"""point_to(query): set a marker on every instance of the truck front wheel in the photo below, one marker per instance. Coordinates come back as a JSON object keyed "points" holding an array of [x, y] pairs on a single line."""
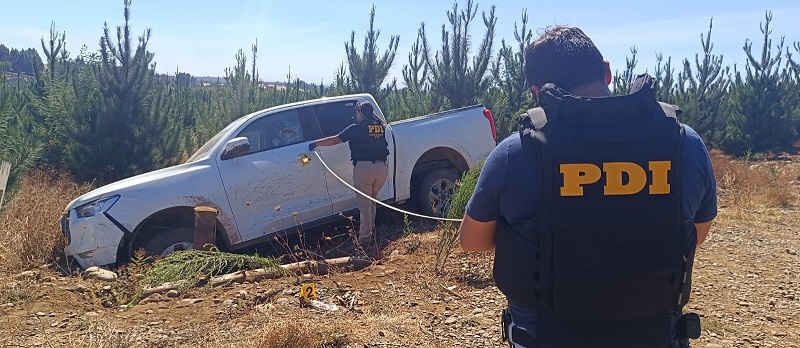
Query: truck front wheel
{"points": [[169, 241], [435, 191]]}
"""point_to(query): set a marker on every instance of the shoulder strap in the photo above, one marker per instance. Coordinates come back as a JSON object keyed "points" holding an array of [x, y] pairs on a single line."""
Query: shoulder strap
{"points": [[533, 119], [645, 83], [539, 118], [671, 110]]}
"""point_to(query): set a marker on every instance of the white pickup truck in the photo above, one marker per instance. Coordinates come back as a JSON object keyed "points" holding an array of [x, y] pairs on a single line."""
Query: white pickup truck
{"points": [[260, 176]]}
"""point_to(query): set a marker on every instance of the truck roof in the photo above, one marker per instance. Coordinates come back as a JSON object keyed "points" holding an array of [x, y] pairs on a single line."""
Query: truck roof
{"points": [[304, 103]]}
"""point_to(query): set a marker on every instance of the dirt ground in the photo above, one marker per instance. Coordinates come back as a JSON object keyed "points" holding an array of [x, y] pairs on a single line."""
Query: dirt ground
{"points": [[746, 289]]}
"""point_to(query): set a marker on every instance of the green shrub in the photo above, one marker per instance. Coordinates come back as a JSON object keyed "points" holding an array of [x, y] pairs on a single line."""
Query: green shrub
{"points": [[448, 235]]}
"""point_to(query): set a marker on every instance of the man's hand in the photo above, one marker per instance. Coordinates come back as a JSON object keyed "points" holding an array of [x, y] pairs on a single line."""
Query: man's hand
{"points": [[312, 146], [702, 231]]}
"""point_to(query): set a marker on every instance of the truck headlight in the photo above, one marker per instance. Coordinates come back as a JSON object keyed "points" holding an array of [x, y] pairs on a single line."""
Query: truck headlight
{"points": [[96, 207]]}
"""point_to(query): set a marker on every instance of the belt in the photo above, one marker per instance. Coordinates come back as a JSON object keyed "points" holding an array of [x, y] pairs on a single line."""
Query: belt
{"points": [[688, 327], [514, 334], [520, 337]]}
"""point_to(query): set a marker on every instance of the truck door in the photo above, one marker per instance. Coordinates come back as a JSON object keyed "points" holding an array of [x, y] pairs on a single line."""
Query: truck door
{"points": [[268, 185], [334, 117]]}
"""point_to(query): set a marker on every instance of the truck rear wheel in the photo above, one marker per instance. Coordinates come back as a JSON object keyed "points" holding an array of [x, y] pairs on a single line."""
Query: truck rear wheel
{"points": [[169, 241], [435, 192]]}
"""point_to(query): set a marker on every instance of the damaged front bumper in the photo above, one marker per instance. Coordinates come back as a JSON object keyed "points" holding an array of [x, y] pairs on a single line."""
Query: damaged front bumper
{"points": [[91, 241]]}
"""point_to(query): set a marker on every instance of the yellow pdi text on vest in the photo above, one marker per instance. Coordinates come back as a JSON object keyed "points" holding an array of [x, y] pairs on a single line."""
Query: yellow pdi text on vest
{"points": [[578, 175]]}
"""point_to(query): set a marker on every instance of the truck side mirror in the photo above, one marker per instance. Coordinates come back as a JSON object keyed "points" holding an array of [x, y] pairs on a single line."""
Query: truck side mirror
{"points": [[236, 147]]}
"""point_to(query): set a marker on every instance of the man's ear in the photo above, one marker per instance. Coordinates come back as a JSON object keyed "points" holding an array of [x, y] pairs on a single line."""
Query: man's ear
{"points": [[607, 65], [535, 92]]}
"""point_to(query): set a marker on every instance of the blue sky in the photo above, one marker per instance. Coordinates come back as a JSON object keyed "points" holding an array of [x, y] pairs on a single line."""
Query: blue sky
{"points": [[202, 36]]}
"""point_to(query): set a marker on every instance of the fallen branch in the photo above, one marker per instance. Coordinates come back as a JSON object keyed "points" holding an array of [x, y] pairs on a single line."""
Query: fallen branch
{"points": [[451, 292], [322, 267], [189, 268], [353, 300], [163, 288], [296, 268], [248, 276]]}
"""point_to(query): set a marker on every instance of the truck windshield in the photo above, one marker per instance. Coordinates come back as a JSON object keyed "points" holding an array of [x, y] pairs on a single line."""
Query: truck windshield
{"points": [[203, 150]]}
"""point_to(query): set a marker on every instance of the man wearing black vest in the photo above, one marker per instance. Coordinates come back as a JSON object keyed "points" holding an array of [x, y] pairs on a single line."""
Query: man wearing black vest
{"points": [[368, 151], [594, 208]]}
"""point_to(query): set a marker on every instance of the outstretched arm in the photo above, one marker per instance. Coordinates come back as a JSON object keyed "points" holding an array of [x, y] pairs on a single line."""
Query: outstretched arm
{"points": [[329, 141], [345, 135]]}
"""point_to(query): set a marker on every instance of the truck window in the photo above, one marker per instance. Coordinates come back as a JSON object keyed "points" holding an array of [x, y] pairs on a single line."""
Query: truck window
{"points": [[334, 117], [281, 129]]}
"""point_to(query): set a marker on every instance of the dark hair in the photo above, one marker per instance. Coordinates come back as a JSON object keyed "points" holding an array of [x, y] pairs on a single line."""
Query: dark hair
{"points": [[365, 108], [565, 56]]}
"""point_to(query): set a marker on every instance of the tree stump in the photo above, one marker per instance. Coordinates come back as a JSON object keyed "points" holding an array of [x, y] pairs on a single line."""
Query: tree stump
{"points": [[204, 227]]}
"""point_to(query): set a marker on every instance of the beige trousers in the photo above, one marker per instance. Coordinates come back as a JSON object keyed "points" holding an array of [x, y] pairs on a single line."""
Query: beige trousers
{"points": [[369, 179]]}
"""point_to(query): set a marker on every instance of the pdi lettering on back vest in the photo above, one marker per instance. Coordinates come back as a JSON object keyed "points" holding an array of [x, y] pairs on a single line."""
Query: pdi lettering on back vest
{"points": [[371, 146], [376, 131], [606, 261], [576, 175]]}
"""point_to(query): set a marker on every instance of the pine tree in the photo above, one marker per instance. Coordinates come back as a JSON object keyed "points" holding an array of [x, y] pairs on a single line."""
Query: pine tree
{"points": [[794, 65], [254, 73], [368, 69], [761, 119], [52, 101], [510, 93], [239, 81], [622, 82], [56, 51], [451, 75], [343, 84], [176, 109], [514, 80], [115, 139], [415, 99], [6, 149], [665, 80], [792, 85], [702, 94], [17, 146]]}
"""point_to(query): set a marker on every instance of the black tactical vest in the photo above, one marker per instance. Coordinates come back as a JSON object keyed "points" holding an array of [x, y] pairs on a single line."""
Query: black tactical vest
{"points": [[605, 261], [370, 144]]}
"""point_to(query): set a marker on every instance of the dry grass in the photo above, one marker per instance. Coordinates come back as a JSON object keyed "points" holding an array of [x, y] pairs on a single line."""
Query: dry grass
{"points": [[306, 333], [747, 184], [29, 231], [15, 292], [290, 335], [96, 334], [711, 325]]}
